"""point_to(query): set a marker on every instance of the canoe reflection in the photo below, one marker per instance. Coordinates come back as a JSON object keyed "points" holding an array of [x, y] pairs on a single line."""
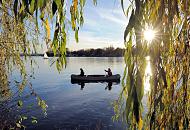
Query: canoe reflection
{"points": [[108, 84], [82, 85]]}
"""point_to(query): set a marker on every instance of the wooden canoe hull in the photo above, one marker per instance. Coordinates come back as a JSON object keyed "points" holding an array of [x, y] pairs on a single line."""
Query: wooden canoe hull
{"points": [[95, 78]]}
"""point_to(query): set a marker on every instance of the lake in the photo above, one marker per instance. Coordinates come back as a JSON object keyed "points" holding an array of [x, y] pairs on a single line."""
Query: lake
{"points": [[71, 107]]}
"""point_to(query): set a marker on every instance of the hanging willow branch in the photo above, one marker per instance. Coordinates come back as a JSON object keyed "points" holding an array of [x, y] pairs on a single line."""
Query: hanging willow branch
{"points": [[170, 63], [19, 31]]}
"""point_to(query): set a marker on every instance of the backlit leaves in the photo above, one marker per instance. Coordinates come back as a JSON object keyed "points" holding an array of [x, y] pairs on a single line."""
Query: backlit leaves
{"points": [[34, 119], [47, 28], [75, 5], [32, 6], [24, 8], [170, 64], [140, 125], [76, 35]]}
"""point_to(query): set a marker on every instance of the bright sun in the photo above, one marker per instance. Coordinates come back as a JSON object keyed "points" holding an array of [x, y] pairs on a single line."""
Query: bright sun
{"points": [[149, 35]]}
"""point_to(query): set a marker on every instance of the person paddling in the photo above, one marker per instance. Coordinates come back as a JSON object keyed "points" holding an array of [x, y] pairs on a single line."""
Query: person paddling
{"points": [[81, 72], [109, 72]]}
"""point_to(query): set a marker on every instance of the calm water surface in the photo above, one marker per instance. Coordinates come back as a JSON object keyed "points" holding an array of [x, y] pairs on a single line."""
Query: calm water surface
{"points": [[69, 106]]}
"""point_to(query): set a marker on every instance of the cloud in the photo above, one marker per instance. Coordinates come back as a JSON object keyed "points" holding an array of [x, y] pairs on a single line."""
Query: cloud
{"points": [[104, 26], [89, 40], [114, 16]]}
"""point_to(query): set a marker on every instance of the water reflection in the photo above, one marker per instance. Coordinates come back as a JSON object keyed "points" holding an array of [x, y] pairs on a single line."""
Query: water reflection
{"points": [[68, 106], [148, 74], [109, 85], [82, 85]]}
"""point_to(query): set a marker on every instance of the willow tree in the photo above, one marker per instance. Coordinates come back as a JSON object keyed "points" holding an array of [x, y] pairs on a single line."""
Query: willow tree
{"points": [[169, 52], [20, 25]]}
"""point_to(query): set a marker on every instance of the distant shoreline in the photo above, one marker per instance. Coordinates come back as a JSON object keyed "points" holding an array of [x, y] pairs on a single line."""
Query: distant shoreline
{"points": [[105, 52], [41, 55]]}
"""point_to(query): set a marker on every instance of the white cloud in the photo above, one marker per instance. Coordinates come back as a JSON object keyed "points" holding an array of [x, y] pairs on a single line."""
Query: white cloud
{"points": [[88, 40], [115, 16], [103, 27]]}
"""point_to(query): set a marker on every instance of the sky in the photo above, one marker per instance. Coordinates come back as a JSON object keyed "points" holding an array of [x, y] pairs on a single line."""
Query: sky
{"points": [[104, 26]]}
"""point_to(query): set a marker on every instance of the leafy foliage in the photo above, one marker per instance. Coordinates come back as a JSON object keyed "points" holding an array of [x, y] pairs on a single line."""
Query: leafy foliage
{"points": [[170, 63], [57, 11], [19, 31]]}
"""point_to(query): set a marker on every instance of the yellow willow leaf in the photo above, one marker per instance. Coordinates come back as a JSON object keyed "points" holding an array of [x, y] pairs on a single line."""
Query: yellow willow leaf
{"points": [[181, 124], [73, 24], [75, 3], [47, 28], [147, 128], [134, 120], [140, 125]]}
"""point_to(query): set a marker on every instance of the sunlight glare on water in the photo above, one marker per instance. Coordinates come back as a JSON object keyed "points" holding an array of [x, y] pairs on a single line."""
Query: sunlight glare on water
{"points": [[148, 74]]}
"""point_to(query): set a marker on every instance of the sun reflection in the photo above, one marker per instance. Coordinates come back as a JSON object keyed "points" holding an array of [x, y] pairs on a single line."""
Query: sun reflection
{"points": [[148, 74]]}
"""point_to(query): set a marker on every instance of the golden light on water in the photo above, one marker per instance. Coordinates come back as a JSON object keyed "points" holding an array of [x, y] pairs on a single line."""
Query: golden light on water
{"points": [[148, 74], [149, 35]]}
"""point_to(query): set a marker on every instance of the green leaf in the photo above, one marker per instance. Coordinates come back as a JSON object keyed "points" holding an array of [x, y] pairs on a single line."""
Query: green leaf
{"points": [[58, 65], [32, 6], [18, 125], [41, 3], [124, 76], [81, 20], [55, 42], [76, 35], [42, 16], [26, 5], [24, 118], [128, 104], [34, 121], [73, 22], [21, 10], [82, 2], [65, 60], [20, 103], [139, 86]]}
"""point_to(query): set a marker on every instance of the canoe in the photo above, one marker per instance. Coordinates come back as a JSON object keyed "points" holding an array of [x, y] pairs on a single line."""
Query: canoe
{"points": [[95, 78]]}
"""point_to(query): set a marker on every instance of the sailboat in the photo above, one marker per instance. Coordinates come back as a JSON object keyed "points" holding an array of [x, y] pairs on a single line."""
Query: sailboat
{"points": [[46, 56]]}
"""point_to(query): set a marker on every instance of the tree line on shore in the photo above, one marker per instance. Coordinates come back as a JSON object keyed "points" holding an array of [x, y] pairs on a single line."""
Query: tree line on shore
{"points": [[99, 52]]}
